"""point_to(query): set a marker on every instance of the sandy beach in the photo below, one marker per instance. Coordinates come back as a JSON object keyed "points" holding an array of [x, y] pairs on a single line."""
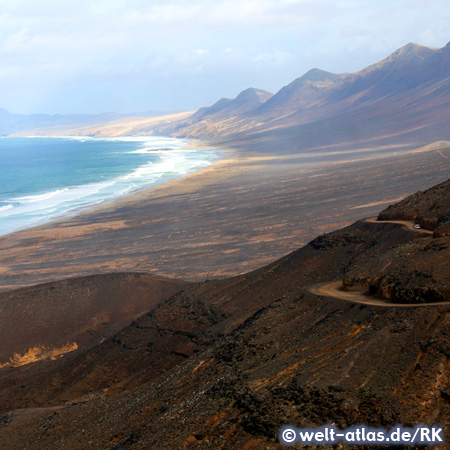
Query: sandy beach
{"points": [[234, 216]]}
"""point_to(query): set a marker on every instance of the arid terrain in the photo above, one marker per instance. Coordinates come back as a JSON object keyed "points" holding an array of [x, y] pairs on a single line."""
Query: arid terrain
{"points": [[224, 364]]}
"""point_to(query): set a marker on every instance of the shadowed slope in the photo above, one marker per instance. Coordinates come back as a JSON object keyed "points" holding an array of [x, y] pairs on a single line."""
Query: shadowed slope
{"points": [[428, 208], [225, 364], [50, 319]]}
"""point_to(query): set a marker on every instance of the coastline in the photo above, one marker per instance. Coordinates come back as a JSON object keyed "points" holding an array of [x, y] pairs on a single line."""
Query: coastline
{"points": [[243, 211], [174, 159], [68, 225]]}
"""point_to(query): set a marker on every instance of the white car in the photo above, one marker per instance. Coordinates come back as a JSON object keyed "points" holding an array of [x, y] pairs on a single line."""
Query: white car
{"points": [[417, 226]]}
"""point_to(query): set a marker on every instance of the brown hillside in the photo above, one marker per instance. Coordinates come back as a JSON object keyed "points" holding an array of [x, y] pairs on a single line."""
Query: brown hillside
{"points": [[225, 364], [51, 319], [429, 208]]}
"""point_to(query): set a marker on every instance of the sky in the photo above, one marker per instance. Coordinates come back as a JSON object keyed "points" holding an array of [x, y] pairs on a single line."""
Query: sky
{"points": [[93, 56]]}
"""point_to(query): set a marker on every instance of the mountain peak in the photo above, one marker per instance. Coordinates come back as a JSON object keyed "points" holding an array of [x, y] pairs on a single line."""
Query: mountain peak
{"points": [[247, 100], [318, 75], [412, 50], [253, 93], [312, 76], [446, 49], [409, 53], [403, 60]]}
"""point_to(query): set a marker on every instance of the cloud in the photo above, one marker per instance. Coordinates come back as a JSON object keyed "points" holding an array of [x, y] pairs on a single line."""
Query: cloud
{"points": [[93, 44]]}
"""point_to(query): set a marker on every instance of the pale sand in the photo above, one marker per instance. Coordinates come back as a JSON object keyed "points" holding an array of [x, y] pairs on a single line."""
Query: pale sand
{"points": [[127, 126]]}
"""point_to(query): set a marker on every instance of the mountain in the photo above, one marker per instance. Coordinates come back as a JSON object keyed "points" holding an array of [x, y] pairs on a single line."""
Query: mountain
{"points": [[226, 363], [403, 98], [393, 74], [225, 108], [215, 118], [305, 91]]}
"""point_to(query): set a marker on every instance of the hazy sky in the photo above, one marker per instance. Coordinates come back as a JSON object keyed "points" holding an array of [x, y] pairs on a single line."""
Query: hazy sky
{"points": [[62, 56]]}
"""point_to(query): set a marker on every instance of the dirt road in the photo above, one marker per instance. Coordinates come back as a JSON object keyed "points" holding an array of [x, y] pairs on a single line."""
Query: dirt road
{"points": [[334, 289], [406, 224]]}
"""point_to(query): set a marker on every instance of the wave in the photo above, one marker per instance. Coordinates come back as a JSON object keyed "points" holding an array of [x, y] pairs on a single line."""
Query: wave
{"points": [[39, 197], [153, 141], [167, 163]]}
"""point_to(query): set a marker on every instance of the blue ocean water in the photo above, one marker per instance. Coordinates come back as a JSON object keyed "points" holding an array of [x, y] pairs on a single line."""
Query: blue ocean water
{"points": [[44, 178]]}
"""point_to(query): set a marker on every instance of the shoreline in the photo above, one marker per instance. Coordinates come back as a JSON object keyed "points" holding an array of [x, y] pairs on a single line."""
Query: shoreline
{"points": [[217, 156], [238, 214], [138, 194]]}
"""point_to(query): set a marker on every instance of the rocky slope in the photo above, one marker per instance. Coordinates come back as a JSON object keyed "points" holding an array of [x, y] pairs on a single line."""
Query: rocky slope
{"points": [[51, 319], [419, 271], [428, 208], [224, 364]]}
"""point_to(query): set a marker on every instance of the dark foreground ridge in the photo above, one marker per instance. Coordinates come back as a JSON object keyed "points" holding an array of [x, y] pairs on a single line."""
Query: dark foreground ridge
{"points": [[224, 364]]}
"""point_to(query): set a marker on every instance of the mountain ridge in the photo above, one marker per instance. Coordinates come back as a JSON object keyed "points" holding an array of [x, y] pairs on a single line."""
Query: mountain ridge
{"points": [[245, 101], [413, 69], [392, 99]]}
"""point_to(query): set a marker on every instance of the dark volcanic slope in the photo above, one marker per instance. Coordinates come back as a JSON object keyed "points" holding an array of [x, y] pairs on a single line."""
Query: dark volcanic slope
{"points": [[54, 318], [429, 208], [225, 364], [419, 271]]}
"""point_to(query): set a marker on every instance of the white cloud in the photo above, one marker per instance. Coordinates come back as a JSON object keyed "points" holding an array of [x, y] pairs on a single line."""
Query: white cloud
{"points": [[138, 43]]}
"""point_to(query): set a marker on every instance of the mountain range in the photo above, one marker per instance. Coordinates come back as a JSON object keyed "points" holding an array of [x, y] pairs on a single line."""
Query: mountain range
{"points": [[403, 98]]}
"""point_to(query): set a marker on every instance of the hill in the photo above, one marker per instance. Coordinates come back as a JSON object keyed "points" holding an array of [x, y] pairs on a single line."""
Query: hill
{"points": [[225, 108], [50, 319], [428, 208], [15, 123], [224, 364], [26, 124]]}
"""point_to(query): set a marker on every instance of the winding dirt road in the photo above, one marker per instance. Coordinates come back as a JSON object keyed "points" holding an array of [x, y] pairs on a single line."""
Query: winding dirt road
{"points": [[334, 288], [405, 223]]}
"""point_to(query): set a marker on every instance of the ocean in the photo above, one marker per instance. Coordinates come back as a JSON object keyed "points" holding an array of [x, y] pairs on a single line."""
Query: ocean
{"points": [[42, 178]]}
